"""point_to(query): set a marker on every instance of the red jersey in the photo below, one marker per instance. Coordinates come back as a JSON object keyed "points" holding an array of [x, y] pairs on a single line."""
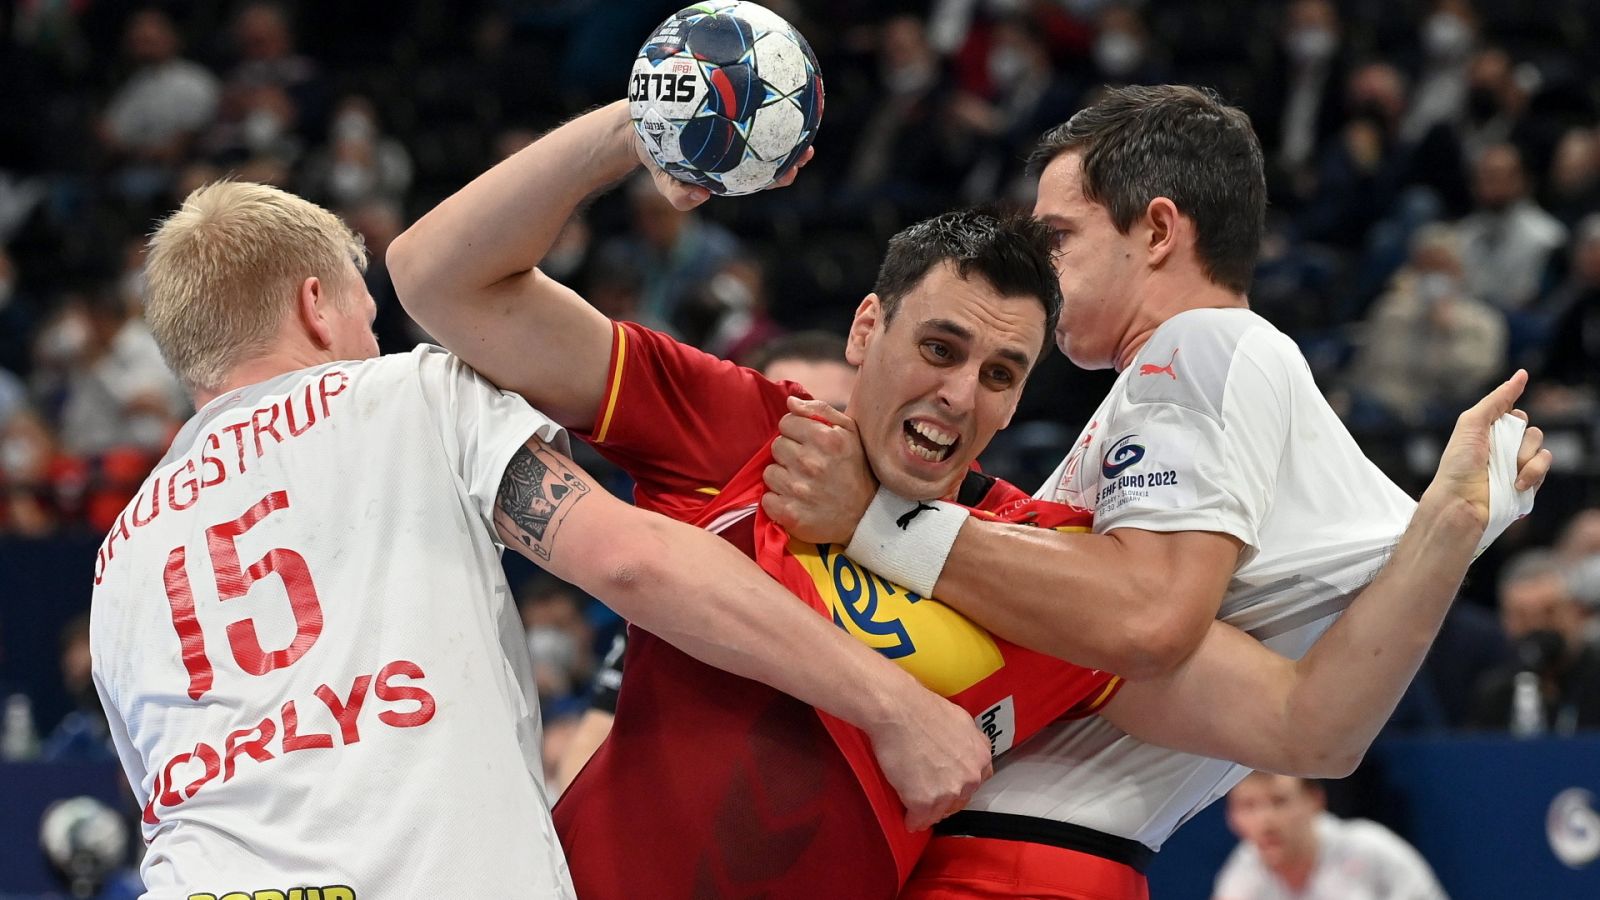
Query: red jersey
{"points": [[712, 785]]}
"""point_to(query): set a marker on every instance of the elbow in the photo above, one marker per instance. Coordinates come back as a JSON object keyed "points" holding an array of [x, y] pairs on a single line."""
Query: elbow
{"points": [[1154, 646], [622, 576], [625, 574], [1321, 761], [404, 264]]}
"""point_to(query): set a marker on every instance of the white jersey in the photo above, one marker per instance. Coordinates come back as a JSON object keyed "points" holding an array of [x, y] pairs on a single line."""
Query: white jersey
{"points": [[1217, 425], [303, 639], [1356, 860]]}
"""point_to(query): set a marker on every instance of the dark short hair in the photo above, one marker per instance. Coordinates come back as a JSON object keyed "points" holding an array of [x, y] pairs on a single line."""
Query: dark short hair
{"points": [[1182, 143], [1009, 250], [804, 346]]}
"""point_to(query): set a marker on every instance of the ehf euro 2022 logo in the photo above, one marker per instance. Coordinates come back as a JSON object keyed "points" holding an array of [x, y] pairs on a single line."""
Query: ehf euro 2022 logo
{"points": [[933, 642], [1120, 456]]}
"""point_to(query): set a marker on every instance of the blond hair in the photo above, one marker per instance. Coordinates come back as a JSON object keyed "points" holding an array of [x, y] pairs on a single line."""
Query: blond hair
{"points": [[227, 265]]}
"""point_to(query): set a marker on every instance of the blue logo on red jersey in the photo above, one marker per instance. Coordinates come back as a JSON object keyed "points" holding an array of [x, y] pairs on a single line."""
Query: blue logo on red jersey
{"points": [[1122, 454]]}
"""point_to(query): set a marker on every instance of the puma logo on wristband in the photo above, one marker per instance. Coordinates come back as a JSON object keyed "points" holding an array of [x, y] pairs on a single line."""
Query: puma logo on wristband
{"points": [[905, 521]]}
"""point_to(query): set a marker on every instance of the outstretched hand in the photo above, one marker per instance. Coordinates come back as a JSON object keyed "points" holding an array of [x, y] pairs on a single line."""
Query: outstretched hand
{"points": [[1464, 474]]}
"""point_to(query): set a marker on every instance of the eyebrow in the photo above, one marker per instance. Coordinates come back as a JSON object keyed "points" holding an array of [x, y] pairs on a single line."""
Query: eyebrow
{"points": [[966, 334]]}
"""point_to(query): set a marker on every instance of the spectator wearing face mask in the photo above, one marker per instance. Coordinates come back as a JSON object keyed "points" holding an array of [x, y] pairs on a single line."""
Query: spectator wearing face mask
{"points": [[1304, 102], [107, 375], [1508, 241], [360, 163], [1552, 684], [1447, 37], [1428, 342], [560, 642], [1123, 51], [156, 111], [1573, 189], [274, 98], [1024, 96]]}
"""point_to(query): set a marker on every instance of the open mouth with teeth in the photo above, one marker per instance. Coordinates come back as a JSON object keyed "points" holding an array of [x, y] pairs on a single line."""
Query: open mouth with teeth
{"points": [[929, 441]]}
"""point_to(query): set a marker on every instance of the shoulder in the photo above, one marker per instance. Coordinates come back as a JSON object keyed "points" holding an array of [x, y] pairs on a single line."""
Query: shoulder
{"points": [[1543, 227], [428, 361], [1370, 838], [1197, 358], [1241, 873]]}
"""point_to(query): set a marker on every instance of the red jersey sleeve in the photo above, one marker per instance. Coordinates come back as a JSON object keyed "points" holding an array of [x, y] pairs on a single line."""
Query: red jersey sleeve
{"points": [[680, 421]]}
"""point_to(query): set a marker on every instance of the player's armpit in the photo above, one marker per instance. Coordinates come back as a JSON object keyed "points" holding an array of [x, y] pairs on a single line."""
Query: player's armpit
{"points": [[539, 487]]}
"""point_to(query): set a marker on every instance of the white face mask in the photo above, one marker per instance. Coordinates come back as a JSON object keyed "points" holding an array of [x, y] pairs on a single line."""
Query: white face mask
{"points": [[261, 128], [1311, 45], [66, 341], [1445, 36], [18, 457], [350, 181], [909, 79], [1006, 66], [554, 647], [1435, 286], [132, 287], [352, 126], [1118, 53]]}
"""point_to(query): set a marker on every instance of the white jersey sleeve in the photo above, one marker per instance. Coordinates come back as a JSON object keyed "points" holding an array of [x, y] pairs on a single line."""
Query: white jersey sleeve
{"points": [[1199, 444], [482, 426]]}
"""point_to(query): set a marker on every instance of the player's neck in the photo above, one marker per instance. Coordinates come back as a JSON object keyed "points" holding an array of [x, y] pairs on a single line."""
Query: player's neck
{"points": [[1295, 871], [261, 368], [1164, 298]]}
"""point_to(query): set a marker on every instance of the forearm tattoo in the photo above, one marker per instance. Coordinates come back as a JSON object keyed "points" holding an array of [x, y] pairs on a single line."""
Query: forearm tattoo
{"points": [[536, 492]]}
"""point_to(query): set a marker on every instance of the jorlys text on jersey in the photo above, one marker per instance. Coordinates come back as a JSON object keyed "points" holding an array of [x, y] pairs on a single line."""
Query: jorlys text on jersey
{"points": [[331, 718], [222, 454]]}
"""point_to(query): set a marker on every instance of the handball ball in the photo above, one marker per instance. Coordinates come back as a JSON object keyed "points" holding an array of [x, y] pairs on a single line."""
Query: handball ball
{"points": [[725, 95]]}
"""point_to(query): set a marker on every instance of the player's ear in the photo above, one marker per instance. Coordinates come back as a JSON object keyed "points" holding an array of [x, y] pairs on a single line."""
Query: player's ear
{"points": [[1166, 225], [312, 305], [861, 328]]}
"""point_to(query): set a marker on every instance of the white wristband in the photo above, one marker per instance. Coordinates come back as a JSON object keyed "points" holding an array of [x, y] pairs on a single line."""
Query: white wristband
{"points": [[1506, 503], [906, 541]]}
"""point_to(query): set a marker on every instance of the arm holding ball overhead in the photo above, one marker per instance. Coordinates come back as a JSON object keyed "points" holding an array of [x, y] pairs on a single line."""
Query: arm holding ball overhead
{"points": [[484, 298]]}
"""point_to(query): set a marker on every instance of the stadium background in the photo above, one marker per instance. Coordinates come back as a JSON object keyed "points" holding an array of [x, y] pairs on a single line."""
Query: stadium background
{"points": [[110, 112]]}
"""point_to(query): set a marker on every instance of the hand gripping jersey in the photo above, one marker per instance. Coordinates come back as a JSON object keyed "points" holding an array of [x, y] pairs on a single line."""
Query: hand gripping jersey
{"points": [[306, 649], [711, 785]]}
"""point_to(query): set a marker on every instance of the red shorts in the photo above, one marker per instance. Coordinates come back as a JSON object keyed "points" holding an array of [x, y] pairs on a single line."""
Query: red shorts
{"points": [[975, 868]]}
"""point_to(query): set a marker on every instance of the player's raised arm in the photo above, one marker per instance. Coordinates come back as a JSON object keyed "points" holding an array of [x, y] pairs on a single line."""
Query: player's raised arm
{"points": [[1235, 699], [466, 270], [696, 591]]}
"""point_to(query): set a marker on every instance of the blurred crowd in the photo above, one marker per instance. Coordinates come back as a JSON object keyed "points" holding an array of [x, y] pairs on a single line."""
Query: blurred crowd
{"points": [[1434, 168]]}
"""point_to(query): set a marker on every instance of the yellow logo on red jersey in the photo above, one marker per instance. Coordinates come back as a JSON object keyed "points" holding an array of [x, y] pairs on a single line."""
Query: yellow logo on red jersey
{"points": [[940, 647]]}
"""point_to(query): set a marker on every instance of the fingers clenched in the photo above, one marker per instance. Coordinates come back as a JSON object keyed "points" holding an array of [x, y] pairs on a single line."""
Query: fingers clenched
{"points": [[822, 412]]}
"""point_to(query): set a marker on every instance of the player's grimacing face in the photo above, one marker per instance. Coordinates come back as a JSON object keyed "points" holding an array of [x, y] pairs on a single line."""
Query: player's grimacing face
{"points": [[939, 380], [1095, 263]]}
